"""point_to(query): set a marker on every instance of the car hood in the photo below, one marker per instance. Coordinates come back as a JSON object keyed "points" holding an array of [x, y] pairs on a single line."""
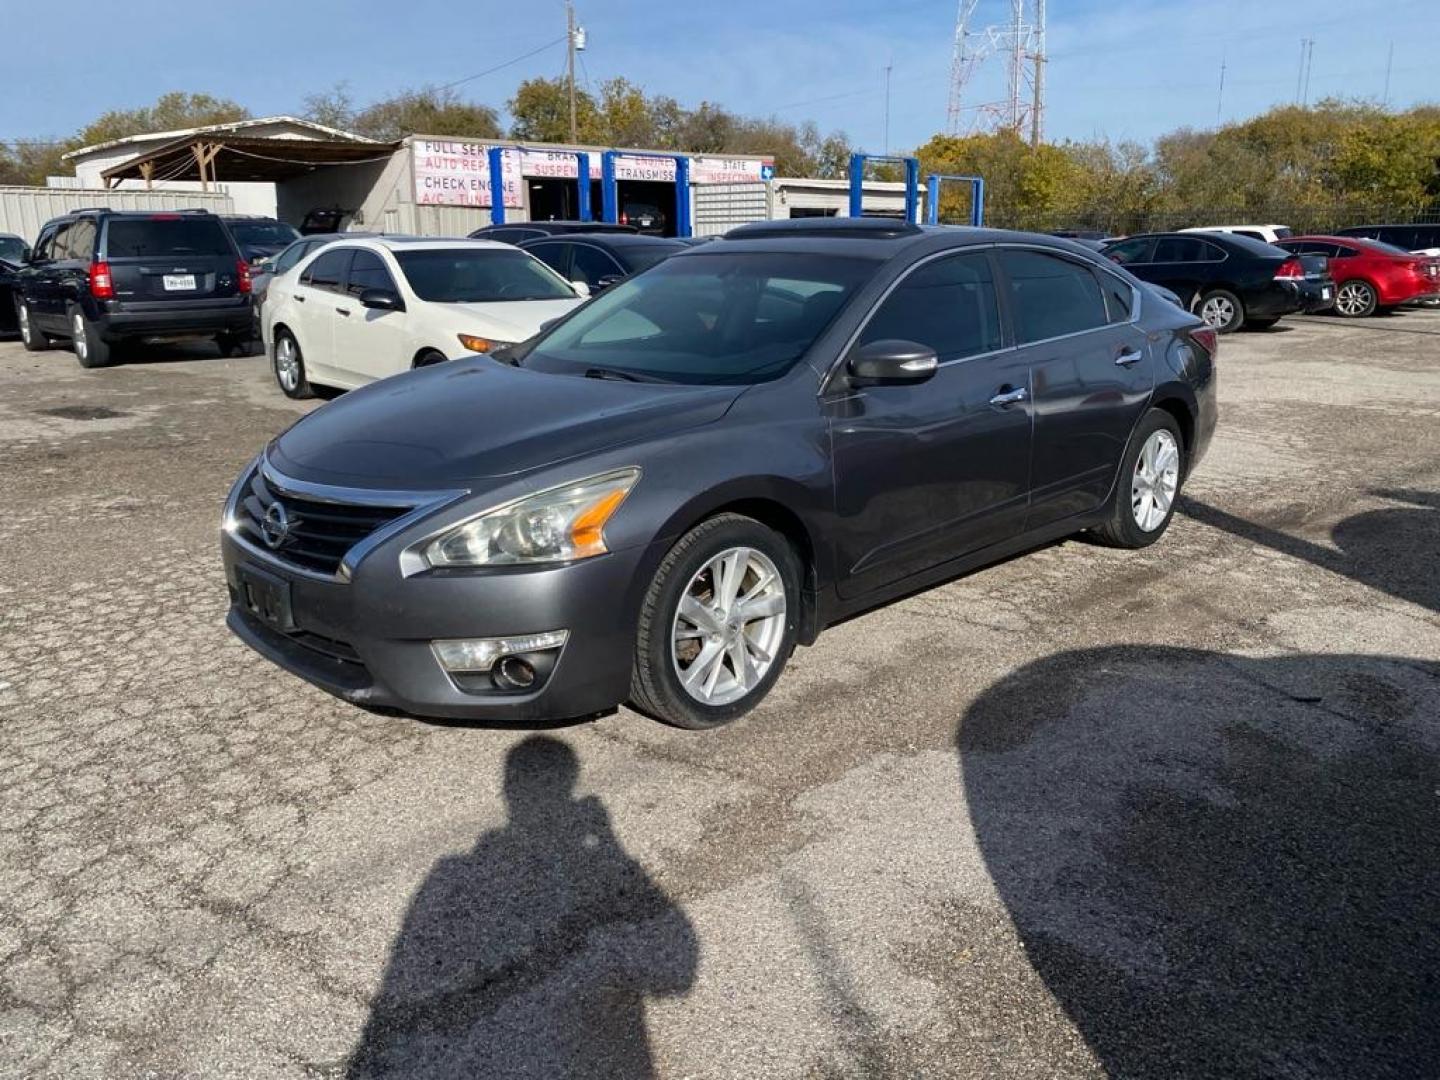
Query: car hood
{"points": [[504, 320], [452, 424]]}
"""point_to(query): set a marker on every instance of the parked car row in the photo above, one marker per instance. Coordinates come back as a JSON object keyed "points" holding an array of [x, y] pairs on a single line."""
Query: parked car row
{"points": [[664, 490]]}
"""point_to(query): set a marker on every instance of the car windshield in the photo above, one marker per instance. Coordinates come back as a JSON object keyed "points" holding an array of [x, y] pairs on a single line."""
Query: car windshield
{"points": [[11, 248], [480, 275], [162, 235], [706, 318], [269, 233]]}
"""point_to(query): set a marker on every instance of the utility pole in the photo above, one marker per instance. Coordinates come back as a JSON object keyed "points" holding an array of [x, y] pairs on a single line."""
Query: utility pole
{"points": [[1300, 76], [1220, 100], [570, 65], [1309, 67], [1037, 107], [1389, 62], [886, 139], [1017, 63]]}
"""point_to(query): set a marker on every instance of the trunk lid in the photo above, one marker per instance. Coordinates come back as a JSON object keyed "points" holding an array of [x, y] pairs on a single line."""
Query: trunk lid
{"points": [[170, 257]]}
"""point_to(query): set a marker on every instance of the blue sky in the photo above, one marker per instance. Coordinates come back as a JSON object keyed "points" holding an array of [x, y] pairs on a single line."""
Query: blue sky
{"points": [[1126, 70]]}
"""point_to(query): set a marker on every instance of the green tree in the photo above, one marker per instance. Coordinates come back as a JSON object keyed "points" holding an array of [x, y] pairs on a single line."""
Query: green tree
{"points": [[427, 111], [540, 112]]}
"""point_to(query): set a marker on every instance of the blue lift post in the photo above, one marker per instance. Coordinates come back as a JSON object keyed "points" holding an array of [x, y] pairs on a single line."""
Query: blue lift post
{"points": [[582, 185], [610, 194], [932, 197], [857, 183], [497, 185]]}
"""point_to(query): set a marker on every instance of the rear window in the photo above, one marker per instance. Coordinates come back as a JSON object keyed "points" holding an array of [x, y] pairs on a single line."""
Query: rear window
{"points": [[145, 237], [11, 248], [642, 258]]}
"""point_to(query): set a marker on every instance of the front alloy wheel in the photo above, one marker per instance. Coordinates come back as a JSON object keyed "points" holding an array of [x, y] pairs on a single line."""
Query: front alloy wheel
{"points": [[717, 624], [728, 626], [1222, 311]]}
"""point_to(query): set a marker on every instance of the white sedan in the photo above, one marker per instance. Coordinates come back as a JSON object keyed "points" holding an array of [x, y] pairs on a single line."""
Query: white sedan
{"points": [[359, 310]]}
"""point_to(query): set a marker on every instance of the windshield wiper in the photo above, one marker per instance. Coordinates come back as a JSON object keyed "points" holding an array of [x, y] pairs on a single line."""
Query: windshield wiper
{"points": [[616, 375]]}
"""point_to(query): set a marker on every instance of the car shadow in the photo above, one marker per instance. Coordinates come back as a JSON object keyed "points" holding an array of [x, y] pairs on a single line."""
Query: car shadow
{"points": [[1392, 549], [1221, 866], [532, 954]]}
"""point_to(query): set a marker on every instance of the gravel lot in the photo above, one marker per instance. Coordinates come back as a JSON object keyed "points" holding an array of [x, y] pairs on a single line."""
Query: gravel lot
{"points": [[1160, 814]]}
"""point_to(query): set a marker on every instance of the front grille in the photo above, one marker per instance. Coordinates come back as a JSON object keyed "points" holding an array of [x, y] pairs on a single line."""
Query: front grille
{"points": [[318, 533]]}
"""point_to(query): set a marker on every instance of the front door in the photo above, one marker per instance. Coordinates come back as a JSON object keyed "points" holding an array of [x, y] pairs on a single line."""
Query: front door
{"points": [[317, 295], [1091, 375], [370, 342], [925, 473]]}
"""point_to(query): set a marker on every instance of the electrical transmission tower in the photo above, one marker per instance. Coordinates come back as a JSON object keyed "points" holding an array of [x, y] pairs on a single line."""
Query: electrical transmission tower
{"points": [[1021, 42]]}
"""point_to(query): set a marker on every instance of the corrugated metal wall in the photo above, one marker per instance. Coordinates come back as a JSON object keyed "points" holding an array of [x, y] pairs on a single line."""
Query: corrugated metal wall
{"points": [[720, 207], [23, 210]]}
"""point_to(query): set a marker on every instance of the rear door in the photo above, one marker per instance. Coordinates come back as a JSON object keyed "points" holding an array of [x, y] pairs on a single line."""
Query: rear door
{"points": [[163, 259], [1185, 265], [317, 295], [1090, 373], [372, 343]]}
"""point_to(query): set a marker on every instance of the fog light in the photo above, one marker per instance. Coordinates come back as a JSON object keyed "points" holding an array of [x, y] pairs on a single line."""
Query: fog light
{"points": [[461, 655], [513, 673]]}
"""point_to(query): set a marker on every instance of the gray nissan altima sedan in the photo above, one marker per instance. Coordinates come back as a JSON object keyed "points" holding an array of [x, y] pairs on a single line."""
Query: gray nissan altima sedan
{"points": [[656, 499]]}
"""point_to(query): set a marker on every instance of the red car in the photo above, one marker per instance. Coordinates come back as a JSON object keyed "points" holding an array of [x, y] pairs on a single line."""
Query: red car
{"points": [[1370, 276]]}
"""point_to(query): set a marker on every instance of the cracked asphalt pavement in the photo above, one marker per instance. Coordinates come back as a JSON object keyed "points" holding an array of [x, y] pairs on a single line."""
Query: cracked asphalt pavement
{"points": [[1085, 813]]}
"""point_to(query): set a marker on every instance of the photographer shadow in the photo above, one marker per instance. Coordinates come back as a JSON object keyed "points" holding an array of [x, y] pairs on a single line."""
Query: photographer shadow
{"points": [[533, 954]]}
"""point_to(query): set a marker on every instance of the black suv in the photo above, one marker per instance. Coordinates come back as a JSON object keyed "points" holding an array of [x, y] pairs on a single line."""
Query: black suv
{"points": [[99, 277]]}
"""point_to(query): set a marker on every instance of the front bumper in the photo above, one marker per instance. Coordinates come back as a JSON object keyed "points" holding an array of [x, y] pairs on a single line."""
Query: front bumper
{"points": [[367, 640]]}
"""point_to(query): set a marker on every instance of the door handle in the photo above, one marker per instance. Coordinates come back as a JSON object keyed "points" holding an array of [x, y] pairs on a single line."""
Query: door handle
{"points": [[342, 311], [299, 299], [1010, 397], [1129, 356]]}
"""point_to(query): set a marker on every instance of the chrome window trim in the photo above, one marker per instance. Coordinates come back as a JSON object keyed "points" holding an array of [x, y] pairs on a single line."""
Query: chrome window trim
{"points": [[1136, 296], [421, 502]]}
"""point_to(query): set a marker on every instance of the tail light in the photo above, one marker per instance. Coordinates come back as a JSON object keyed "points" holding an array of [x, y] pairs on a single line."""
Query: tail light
{"points": [[242, 275], [1290, 270], [624, 219], [1207, 338], [102, 285]]}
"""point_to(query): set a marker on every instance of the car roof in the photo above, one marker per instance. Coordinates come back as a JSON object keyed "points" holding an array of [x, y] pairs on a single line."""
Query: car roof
{"points": [[424, 243], [606, 239], [869, 238], [1245, 243]]}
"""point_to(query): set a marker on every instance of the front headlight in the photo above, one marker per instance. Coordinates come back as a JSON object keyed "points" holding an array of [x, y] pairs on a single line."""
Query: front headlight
{"points": [[482, 344], [558, 525]]}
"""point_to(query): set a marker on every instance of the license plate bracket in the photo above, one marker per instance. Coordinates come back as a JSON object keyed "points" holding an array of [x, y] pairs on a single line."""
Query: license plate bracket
{"points": [[179, 282], [265, 596]]}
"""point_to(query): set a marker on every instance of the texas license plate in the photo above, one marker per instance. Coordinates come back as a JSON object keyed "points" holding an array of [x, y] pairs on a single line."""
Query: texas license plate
{"points": [[179, 282], [1325, 294]]}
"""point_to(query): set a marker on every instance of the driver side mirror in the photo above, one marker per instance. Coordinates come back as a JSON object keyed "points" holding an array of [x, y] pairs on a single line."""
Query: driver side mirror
{"points": [[891, 363], [382, 300], [610, 279]]}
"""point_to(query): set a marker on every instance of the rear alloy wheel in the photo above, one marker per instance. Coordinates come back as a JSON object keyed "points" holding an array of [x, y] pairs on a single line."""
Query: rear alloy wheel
{"points": [[90, 349], [1222, 311], [717, 624], [289, 368], [1356, 300], [33, 339], [1148, 485]]}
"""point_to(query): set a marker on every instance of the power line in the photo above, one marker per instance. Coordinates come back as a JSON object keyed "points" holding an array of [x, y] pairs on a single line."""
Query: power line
{"points": [[501, 67]]}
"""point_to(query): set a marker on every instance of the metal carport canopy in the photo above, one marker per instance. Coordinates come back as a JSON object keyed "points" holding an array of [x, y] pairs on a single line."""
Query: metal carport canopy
{"points": [[236, 158]]}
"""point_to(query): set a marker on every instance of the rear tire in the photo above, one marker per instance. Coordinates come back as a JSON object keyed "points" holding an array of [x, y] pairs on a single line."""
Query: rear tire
{"points": [[32, 338], [1222, 311], [430, 357], [288, 366], [1148, 485], [233, 345], [1356, 300], [735, 650], [90, 349]]}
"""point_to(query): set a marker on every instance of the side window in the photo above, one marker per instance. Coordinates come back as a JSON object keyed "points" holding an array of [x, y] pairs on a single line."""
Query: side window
{"points": [[1211, 252], [1130, 251], [60, 244], [81, 240], [949, 304], [1119, 298], [1253, 235], [591, 264], [328, 270], [1051, 297], [45, 246], [555, 255], [1177, 249], [368, 272]]}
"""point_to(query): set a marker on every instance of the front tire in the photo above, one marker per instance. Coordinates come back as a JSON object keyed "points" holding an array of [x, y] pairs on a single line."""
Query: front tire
{"points": [[717, 624], [1148, 485], [1222, 311], [288, 366], [1356, 300], [90, 349], [31, 336]]}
